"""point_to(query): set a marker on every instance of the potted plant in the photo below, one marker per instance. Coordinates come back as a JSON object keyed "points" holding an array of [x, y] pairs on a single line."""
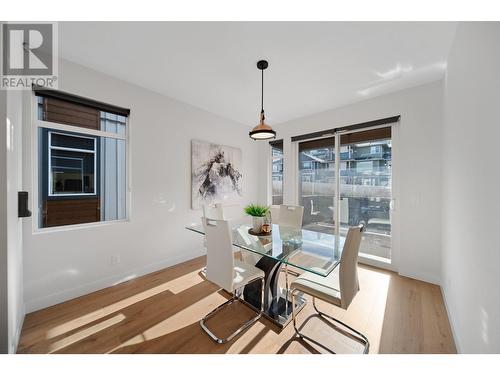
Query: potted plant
{"points": [[257, 212]]}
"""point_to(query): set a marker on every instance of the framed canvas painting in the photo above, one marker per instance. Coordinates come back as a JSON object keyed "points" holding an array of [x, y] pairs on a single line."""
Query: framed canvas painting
{"points": [[215, 174]]}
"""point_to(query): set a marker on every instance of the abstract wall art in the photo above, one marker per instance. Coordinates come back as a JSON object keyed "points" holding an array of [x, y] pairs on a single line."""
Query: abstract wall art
{"points": [[215, 174]]}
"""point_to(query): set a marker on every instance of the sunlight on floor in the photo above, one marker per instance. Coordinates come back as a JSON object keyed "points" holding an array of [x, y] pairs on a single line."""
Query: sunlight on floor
{"points": [[175, 286], [178, 320], [376, 284], [58, 345]]}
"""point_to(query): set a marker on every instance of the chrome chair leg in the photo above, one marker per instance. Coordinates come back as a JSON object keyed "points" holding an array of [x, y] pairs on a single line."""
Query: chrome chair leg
{"points": [[240, 329], [357, 336]]}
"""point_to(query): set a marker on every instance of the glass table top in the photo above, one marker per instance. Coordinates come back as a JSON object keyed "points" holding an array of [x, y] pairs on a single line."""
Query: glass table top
{"points": [[310, 251]]}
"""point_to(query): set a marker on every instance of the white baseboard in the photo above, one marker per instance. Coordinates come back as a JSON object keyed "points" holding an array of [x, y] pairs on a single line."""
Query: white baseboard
{"points": [[431, 279], [65, 295], [19, 328], [451, 320]]}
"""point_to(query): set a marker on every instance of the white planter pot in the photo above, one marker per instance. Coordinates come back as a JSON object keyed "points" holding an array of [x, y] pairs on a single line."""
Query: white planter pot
{"points": [[257, 224]]}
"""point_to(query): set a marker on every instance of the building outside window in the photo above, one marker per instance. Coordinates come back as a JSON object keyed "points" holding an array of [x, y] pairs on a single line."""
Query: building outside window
{"points": [[277, 172]]}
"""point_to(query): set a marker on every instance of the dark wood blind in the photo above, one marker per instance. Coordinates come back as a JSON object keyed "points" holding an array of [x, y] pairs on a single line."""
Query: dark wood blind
{"points": [[63, 112], [277, 144], [76, 99], [366, 136], [361, 125], [71, 211], [317, 143], [362, 136]]}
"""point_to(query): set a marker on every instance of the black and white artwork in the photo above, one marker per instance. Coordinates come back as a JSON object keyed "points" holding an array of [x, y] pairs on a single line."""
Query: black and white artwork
{"points": [[215, 174]]}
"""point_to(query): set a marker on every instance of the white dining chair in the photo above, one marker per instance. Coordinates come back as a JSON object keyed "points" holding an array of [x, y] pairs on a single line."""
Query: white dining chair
{"points": [[210, 211], [291, 216], [275, 213], [213, 211], [338, 288], [226, 272]]}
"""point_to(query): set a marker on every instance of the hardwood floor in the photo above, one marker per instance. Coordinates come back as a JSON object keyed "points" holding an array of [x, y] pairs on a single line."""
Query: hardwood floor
{"points": [[160, 313]]}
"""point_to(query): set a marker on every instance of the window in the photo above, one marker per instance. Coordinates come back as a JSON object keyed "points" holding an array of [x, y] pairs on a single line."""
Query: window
{"points": [[72, 164], [365, 175], [277, 172], [317, 183], [81, 160]]}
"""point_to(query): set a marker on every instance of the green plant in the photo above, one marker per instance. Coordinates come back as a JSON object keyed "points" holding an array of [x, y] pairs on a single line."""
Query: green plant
{"points": [[256, 210]]}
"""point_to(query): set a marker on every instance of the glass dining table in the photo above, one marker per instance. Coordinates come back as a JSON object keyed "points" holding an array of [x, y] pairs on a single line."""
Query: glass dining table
{"points": [[306, 250]]}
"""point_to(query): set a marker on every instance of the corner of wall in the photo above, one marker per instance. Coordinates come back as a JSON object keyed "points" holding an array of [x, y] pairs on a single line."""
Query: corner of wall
{"points": [[428, 278], [15, 340], [451, 319]]}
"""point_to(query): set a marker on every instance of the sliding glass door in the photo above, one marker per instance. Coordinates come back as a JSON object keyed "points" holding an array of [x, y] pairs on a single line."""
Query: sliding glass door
{"points": [[366, 189], [317, 183], [365, 184]]}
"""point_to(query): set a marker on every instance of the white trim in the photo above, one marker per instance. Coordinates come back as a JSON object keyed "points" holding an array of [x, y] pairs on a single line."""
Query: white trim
{"points": [[394, 210], [336, 190], [428, 278], [72, 149], [77, 129], [71, 227], [375, 261]]}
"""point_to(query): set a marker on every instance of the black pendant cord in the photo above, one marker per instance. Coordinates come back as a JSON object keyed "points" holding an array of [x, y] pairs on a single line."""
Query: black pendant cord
{"points": [[262, 93]]}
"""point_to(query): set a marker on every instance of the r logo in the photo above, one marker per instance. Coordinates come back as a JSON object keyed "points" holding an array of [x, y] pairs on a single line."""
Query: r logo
{"points": [[27, 49]]}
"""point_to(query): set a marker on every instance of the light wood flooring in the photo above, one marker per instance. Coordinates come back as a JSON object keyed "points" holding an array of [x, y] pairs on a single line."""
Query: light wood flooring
{"points": [[160, 313]]}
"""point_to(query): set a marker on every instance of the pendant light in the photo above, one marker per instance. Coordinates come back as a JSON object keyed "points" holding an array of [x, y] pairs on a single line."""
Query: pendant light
{"points": [[262, 131]]}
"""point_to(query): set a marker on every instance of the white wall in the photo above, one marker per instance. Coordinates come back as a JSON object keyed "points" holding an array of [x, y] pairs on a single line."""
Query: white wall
{"points": [[416, 169], [11, 283], [4, 336], [14, 223], [63, 264], [471, 221]]}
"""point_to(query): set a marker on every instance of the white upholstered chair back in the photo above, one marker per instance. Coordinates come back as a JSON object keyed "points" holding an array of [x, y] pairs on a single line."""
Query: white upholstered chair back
{"points": [[348, 272], [275, 213], [220, 260], [213, 211], [291, 216]]}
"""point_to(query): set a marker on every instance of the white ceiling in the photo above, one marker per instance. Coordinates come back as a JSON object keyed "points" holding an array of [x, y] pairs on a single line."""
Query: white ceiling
{"points": [[312, 66]]}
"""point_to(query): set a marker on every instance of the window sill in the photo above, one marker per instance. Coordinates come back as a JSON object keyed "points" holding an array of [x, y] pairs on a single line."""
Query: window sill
{"points": [[73, 227]]}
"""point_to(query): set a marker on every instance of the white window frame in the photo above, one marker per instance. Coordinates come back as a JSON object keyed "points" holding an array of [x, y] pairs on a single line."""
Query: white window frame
{"points": [[50, 148], [36, 125]]}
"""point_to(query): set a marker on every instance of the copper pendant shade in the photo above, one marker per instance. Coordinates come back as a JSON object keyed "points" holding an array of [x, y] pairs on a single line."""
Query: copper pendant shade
{"points": [[262, 131]]}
